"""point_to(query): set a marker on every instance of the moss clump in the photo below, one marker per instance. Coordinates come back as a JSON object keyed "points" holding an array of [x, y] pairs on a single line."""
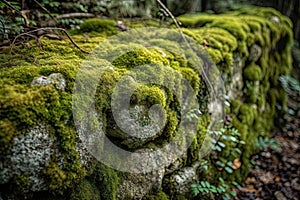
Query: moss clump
{"points": [[147, 95], [138, 58], [85, 191], [98, 25], [253, 73], [106, 180], [159, 196]]}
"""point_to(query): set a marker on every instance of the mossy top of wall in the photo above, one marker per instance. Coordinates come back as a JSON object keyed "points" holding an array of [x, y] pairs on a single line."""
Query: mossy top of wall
{"points": [[251, 48], [255, 42]]}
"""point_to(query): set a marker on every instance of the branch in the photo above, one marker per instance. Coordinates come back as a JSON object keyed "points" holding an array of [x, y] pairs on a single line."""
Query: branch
{"points": [[47, 28], [11, 7], [16, 10], [75, 15], [177, 23], [70, 15]]}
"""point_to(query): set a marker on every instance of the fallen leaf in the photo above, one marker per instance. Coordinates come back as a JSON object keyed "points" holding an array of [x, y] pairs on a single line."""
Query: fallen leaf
{"points": [[277, 178], [236, 164]]}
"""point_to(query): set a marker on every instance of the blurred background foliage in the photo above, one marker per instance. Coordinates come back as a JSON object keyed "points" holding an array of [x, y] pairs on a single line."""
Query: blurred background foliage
{"points": [[25, 15], [36, 10]]}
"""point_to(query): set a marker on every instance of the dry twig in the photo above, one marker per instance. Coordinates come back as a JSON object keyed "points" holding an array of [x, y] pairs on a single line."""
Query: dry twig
{"points": [[68, 16], [177, 23], [44, 29]]}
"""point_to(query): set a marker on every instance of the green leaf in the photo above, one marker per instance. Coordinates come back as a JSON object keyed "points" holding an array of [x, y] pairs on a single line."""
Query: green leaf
{"points": [[229, 164], [217, 148], [207, 184], [196, 191], [213, 189], [233, 193], [206, 190], [229, 170], [205, 167], [220, 163], [219, 190], [238, 150], [224, 137], [222, 189], [226, 197], [236, 184], [232, 138], [221, 144]]}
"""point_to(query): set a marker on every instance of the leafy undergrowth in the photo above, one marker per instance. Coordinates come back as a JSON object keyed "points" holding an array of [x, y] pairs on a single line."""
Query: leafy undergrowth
{"points": [[277, 171]]}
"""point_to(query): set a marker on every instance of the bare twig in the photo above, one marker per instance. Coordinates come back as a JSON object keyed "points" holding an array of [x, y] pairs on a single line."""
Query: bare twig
{"points": [[177, 23], [16, 10], [75, 15], [44, 29], [70, 15], [11, 6], [36, 38]]}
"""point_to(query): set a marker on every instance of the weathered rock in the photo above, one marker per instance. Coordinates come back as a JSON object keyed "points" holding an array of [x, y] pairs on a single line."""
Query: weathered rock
{"points": [[55, 79], [30, 153], [255, 53], [136, 186]]}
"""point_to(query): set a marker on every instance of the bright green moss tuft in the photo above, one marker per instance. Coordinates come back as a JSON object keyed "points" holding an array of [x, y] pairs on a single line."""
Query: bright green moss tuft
{"points": [[192, 77], [138, 58], [253, 73], [149, 96], [98, 25], [247, 114]]}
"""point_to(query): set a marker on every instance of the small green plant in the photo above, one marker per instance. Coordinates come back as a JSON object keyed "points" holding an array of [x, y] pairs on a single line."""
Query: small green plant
{"points": [[220, 189], [204, 165], [266, 142], [289, 84], [224, 157]]}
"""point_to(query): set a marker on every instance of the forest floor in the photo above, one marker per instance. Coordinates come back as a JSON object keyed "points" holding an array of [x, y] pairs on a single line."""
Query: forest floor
{"points": [[277, 171]]}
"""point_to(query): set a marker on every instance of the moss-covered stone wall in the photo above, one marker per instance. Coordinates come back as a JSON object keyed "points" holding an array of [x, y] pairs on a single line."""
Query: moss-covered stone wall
{"points": [[42, 155]]}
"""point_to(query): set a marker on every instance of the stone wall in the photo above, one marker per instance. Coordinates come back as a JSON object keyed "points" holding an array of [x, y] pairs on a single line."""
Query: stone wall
{"points": [[49, 150]]}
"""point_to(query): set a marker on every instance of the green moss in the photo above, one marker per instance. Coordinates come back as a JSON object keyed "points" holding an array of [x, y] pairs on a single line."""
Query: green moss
{"points": [[85, 191], [106, 180], [98, 25], [253, 73], [191, 76], [159, 196], [149, 96], [197, 144], [170, 129], [139, 57]]}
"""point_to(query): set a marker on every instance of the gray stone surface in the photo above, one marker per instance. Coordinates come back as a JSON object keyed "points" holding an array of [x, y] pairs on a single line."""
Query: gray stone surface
{"points": [[55, 79]]}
